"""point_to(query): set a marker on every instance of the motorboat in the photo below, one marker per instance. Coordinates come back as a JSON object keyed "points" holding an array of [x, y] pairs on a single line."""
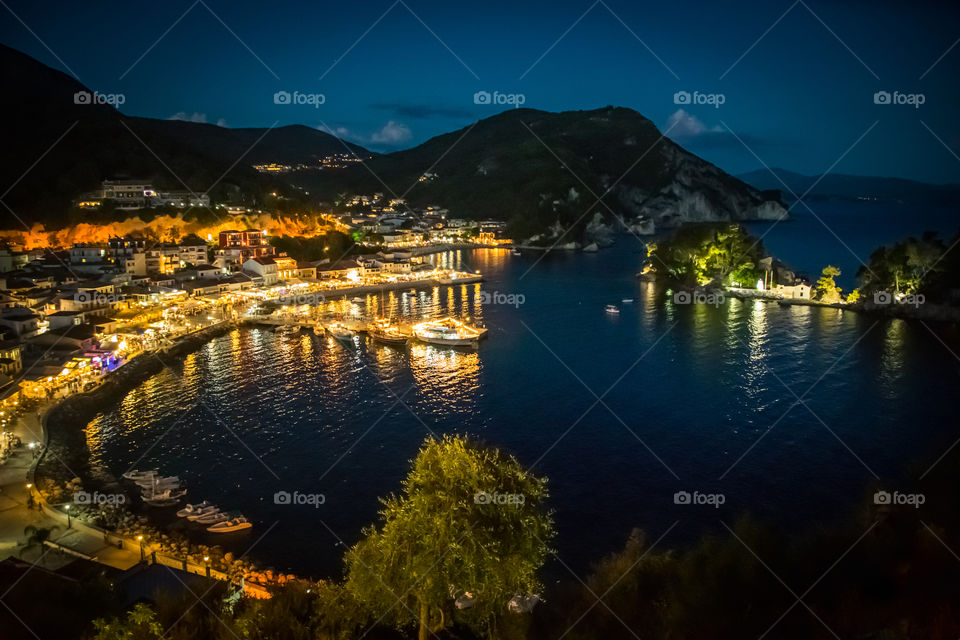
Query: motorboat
{"points": [[228, 526], [448, 332], [627, 301], [339, 331], [358, 300], [612, 309], [166, 498], [515, 252], [203, 513], [137, 475], [211, 518], [192, 509]]}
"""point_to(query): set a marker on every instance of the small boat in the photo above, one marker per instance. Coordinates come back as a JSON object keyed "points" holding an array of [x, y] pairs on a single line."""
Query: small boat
{"points": [[612, 308], [136, 474], [192, 509], [227, 526], [357, 300], [627, 301], [318, 329], [386, 333], [166, 498], [448, 332], [211, 518], [339, 331], [158, 482], [203, 513], [515, 252]]}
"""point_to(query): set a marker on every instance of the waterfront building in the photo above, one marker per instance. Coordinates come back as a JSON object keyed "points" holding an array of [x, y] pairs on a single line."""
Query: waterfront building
{"points": [[264, 267]]}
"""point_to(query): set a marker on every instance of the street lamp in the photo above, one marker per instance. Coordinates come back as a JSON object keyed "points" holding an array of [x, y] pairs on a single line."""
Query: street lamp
{"points": [[140, 540], [67, 509]]}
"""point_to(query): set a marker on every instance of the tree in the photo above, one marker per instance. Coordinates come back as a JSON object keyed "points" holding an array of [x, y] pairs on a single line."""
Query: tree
{"points": [[468, 533], [827, 289], [36, 538], [140, 624]]}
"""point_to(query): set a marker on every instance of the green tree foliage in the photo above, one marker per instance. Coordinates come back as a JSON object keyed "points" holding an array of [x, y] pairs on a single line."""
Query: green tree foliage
{"points": [[826, 288], [442, 539], [139, 624], [699, 254], [911, 266]]}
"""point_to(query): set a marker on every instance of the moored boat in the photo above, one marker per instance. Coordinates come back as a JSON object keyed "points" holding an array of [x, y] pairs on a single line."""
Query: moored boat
{"points": [[166, 498], [385, 332], [203, 513], [339, 331], [192, 509], [211, 518], [136, 474], [227, 526], [612, 309], [515, 252], [448, 332]]}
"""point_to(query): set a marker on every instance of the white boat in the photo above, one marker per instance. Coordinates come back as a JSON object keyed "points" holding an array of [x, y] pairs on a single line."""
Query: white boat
{"points": [[627, 301], [612, 308], [166, 498], [515, 252], [211, 518], [136, 474], [192, 509], [340, 331], [227, 526], [203, 513], [357, 301], [448, 332]]}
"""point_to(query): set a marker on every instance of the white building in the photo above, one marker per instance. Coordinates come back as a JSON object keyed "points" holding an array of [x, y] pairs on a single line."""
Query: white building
{"points": [[264, 267]]}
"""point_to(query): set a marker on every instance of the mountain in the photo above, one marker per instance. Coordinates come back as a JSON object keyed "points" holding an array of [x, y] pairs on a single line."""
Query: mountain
{"points": [[535, 168], [76, 146], [847, 186]]}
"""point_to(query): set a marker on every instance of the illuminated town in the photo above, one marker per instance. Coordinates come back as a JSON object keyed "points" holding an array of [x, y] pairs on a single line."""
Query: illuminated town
{"points": [[542, 321]]}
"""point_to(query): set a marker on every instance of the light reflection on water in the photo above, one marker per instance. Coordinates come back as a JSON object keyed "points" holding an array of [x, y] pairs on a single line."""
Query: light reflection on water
{"points": [[344, 420]]}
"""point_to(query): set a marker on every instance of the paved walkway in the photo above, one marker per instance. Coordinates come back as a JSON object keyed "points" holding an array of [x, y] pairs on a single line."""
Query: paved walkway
{"points": [[15, 516]]}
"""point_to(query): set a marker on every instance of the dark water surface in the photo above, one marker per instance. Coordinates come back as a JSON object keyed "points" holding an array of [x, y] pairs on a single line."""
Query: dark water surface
{"points": [[694, 398]]}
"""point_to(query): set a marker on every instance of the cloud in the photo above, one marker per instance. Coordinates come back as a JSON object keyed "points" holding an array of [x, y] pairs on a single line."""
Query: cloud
{"points": [[341, 132], [195, 117], [421, 111], [683, 125], [691, 132], [393, 133]]}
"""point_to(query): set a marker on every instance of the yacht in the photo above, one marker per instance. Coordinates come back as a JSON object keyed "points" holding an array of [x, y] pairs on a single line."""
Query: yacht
{"points": [[612, 308], [192, 509], [448, 332], [627, 301], [339, 331], [227, 526]]}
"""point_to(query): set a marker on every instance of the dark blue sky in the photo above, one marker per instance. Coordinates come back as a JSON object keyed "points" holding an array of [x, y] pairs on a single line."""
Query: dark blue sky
{"points": [[799, 98]]}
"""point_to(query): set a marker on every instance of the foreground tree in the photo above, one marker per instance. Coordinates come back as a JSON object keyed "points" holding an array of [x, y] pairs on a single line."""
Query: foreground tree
{"points": [[466, 537]]}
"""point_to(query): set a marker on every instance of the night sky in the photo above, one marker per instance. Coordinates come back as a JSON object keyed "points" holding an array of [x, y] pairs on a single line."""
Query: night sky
{"points": [[797, 79]]}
